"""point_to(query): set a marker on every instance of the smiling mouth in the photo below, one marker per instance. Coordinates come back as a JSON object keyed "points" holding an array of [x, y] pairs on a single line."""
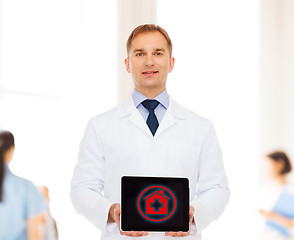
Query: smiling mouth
{"points": [[149, 73]]}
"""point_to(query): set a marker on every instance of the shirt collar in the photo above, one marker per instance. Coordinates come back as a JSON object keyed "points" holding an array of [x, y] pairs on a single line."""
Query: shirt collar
{"points": [[163, 98], [7, 170]]}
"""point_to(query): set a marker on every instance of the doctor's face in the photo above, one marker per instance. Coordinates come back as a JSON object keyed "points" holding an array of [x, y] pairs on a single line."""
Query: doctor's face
{"points": [[149, 62]]}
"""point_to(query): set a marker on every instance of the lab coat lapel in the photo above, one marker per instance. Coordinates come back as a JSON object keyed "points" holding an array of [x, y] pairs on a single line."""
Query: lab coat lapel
{"points": [[171, 117], [129, 110], [139, 122]]}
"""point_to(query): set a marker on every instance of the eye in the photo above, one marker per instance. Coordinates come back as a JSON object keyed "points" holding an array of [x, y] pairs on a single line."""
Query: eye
{"points": [[158, 54], [139, 54]]}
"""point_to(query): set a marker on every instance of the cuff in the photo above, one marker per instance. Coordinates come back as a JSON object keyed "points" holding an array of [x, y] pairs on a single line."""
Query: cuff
{"points": [[104, 211], [111, 227], [202, 215]]}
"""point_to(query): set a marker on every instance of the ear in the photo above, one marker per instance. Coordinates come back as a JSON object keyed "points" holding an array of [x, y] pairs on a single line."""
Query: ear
{"points": [[171, 64], [127, 64]]}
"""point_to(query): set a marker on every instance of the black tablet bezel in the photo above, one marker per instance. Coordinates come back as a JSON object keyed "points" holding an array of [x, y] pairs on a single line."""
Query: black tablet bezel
{"points": [[126, 181]]}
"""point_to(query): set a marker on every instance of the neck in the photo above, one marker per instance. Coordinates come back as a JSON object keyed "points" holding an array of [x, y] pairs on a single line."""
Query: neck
{"points": [[281, 179], [150, 93]]}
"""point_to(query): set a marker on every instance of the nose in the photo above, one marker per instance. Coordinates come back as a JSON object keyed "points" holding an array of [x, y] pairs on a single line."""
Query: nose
{"points": [[149, 60]]}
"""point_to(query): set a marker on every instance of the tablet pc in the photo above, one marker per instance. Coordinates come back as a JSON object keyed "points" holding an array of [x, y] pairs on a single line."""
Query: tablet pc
{"points": [[154, 204]]}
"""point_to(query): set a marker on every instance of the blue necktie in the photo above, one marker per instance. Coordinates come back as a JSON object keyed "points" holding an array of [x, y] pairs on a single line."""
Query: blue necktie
{"points": [[152, 121]]}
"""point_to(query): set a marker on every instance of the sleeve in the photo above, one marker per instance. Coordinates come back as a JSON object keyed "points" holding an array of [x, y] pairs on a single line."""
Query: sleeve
{"points": [[35, 203], [212, 194], [88, 180]]}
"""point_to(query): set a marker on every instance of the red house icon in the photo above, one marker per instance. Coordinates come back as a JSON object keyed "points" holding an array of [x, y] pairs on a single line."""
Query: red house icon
{"points": [[156, 203]]}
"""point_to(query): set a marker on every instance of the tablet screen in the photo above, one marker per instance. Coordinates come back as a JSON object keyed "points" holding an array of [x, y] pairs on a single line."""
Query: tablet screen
{"points": [[154, 204]]}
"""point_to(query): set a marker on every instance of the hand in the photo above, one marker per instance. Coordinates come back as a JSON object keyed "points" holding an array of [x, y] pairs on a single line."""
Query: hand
{"points": [[180, 233], [114, 216], [267, 214], [270, 215]]}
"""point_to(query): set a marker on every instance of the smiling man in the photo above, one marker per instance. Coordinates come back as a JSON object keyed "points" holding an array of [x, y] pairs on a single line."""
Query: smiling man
{"points": [[149, 61], [149, 129]]}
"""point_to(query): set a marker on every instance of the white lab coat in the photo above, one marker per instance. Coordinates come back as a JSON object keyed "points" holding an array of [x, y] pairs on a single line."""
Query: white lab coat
{"points": [[119, 143]]}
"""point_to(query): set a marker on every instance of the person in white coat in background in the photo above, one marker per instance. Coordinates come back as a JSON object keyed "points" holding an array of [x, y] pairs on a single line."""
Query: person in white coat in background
{"points": [[148, 135]]}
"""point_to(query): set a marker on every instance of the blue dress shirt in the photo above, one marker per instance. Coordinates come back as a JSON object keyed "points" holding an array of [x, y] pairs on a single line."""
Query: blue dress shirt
{"points": [[162, 98], [21, 200]]}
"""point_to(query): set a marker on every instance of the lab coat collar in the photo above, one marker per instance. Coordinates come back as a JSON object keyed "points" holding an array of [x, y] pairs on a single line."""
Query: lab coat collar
{"points": [[173, 114]]}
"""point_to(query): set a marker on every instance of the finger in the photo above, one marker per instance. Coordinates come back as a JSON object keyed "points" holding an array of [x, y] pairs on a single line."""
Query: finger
{"points": [[129, 234], [177, 234], [140, 233], [117, 220], [117, 211], [191, 213], [185, 234], [143, 233], [172, 234], [134, 233], [168, 233], [181, 234]]}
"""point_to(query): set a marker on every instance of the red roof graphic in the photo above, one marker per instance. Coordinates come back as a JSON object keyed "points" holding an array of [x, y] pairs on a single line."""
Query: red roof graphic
{"points": [[160, 193]]}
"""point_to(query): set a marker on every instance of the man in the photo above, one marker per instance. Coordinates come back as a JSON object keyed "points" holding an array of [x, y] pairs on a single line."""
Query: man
{"points": [[148, 138]]}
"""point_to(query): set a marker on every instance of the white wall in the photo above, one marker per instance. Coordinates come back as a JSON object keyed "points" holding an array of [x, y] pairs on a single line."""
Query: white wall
{"points": [[277, 76]]}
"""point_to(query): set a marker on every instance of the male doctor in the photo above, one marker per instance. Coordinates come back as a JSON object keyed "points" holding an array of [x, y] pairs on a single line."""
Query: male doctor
{"points": [[148, 135]]}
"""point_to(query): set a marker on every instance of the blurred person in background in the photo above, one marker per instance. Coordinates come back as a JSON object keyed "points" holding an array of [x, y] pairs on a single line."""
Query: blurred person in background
{"points": [[21, 205], [48, 228], [280, 217]]}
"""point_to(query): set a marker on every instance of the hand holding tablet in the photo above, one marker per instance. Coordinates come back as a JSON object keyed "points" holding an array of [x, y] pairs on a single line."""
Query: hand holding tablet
{"points": [[114, 216], [115, 213], [181, 233]]}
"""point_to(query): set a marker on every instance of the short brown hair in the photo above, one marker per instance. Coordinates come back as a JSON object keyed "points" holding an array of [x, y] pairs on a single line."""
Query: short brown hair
{"points": [[149, 28], [280, 156]]}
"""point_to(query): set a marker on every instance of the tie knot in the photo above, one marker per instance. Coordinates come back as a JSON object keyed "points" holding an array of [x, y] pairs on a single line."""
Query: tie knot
{"points": [[150, 104]]}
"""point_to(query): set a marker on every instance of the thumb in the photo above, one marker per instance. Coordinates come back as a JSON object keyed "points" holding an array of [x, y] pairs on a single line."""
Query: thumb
{"points": [[117, 217], [191, 213], [116, 212]]}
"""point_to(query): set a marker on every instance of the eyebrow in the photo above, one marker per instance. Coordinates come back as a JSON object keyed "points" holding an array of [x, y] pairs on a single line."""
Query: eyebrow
{"points": [[142, 50], [160, 50], [138, 50]]}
